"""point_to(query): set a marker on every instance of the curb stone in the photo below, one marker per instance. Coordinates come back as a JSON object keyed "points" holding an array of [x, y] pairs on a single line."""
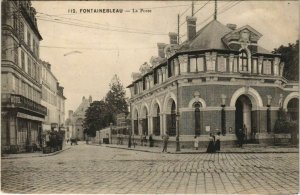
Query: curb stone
{"points": [[32, 156], [187, 152]]}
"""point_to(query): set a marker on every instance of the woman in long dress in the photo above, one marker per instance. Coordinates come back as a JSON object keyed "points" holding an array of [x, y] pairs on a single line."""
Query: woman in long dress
{"points": [[218, 143], [211, 144]]}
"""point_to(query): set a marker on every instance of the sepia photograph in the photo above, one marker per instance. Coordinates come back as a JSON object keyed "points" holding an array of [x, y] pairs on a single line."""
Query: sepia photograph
{"points": [[149, 97]]}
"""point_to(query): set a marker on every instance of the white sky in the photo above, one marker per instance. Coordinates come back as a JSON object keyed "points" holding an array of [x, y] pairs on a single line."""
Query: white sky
{"points": [[105, 53]]}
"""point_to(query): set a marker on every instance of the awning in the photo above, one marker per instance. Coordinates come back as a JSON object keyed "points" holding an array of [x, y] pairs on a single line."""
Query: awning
{"points": [[26, 116]]}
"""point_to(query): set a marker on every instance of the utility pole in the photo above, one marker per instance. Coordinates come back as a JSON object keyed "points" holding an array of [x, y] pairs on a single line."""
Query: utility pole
{"points": [[192, 8], [178, 29], [215, 15]]}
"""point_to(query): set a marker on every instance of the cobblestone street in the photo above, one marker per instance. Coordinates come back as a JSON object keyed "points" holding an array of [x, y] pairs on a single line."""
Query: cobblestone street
{"points": [[96, 169]]}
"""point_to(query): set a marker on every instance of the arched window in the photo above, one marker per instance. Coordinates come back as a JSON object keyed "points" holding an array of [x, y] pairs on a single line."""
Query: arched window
{"points": [[243, 61], [197, 119]]}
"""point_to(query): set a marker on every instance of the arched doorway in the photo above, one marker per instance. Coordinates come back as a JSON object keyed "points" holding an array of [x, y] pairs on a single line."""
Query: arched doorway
{"points": [[293, 109], [171, 118], [144, 121], [244, 116], [197, 118], [156, 120], [135, 122]]}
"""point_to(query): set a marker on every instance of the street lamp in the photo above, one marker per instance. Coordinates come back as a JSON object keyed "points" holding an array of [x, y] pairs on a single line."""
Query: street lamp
{"points": [[177, 132]]}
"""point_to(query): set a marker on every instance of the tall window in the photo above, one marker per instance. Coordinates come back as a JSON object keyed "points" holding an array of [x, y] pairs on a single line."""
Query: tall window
{"points": [[267, 67], [197, 119], [16, 53], [29, 65], [21, 30], [28, 38], [243, 61], [23, 60], [200, 64], [193, 64]]}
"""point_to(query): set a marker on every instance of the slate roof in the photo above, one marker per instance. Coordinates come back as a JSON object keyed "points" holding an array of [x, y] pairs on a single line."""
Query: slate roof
{"points": [[208, 37]]}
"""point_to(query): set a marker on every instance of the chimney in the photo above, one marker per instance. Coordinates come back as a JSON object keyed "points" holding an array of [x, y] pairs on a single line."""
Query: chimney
{"points": [[90, 99], [231, 26], [173, 38], [161, 47], [191, 27], [83, 98]]}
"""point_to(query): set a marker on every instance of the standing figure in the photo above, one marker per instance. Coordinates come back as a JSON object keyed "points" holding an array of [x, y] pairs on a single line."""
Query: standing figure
{"points": [[218, 142], [240, 135], [211, 144], [245, 134], [196, 142], [165, 142]]}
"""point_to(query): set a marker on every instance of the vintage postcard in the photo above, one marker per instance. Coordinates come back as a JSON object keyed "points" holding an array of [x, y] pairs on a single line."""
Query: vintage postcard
{"points": [[149, 97]]}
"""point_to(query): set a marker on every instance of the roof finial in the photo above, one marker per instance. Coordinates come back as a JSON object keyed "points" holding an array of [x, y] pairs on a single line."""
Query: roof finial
{"points": [[215, 15]]}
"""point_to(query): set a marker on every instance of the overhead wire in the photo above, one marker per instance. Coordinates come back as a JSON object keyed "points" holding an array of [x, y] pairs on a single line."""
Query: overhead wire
{"points": [[95, 27]]}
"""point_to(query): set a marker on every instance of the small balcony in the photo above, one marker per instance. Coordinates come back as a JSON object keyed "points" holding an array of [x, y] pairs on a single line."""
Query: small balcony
{"points": [[19, 101]]}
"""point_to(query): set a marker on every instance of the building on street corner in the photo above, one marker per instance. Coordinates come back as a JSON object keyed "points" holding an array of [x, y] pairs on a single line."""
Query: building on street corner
{"points": [[22, 113], [31, 100], [219, 80]]}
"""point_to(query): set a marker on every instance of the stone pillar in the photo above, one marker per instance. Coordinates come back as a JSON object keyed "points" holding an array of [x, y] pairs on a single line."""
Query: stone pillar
{"points": [[281, 68], [176, 66], [231, 56], [164, 75]]}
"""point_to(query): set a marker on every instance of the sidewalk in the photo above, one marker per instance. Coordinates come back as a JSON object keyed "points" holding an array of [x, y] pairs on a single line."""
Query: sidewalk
{"points": [[34, 154], [250, 148]]}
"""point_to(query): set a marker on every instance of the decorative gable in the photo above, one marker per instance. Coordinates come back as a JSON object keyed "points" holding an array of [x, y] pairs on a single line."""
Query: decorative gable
{"points": [[241, 38]]}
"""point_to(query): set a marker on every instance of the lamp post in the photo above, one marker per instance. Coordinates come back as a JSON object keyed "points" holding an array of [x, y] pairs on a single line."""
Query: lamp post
{"points": [[269, 113], [177, 132], [223, 115]]}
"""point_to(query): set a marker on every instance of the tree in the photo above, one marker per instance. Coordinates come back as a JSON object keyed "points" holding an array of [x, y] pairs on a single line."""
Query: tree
{"points": [[95, 118], [116, 98], [290, 56]]}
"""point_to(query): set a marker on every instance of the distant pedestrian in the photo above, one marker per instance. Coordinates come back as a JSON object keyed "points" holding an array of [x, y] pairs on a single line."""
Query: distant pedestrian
{"points": [[240, 135], [129, 140], [211, 144], [150, 141], [165, 142], [218, 142], [196, 142]]}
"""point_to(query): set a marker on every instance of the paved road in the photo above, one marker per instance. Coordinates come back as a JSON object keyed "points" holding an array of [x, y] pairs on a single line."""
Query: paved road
{"points": [[96, 169]]}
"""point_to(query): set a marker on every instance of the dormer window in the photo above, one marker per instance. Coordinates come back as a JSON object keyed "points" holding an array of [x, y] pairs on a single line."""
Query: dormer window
{"points": [[243, 61]]}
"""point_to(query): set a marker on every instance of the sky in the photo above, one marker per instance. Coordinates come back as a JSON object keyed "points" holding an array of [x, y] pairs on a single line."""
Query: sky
{"points": [[86, 54]]}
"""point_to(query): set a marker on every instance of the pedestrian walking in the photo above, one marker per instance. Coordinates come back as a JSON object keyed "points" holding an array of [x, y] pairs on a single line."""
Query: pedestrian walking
{"points": [[211, 144], [165, 142], [218, 142], [196, 142], [240, 135]]}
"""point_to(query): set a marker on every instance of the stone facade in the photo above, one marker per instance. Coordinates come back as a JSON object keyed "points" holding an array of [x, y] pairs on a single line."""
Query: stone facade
{"points": [[218, 80], [21, 111], [75, 120]]}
